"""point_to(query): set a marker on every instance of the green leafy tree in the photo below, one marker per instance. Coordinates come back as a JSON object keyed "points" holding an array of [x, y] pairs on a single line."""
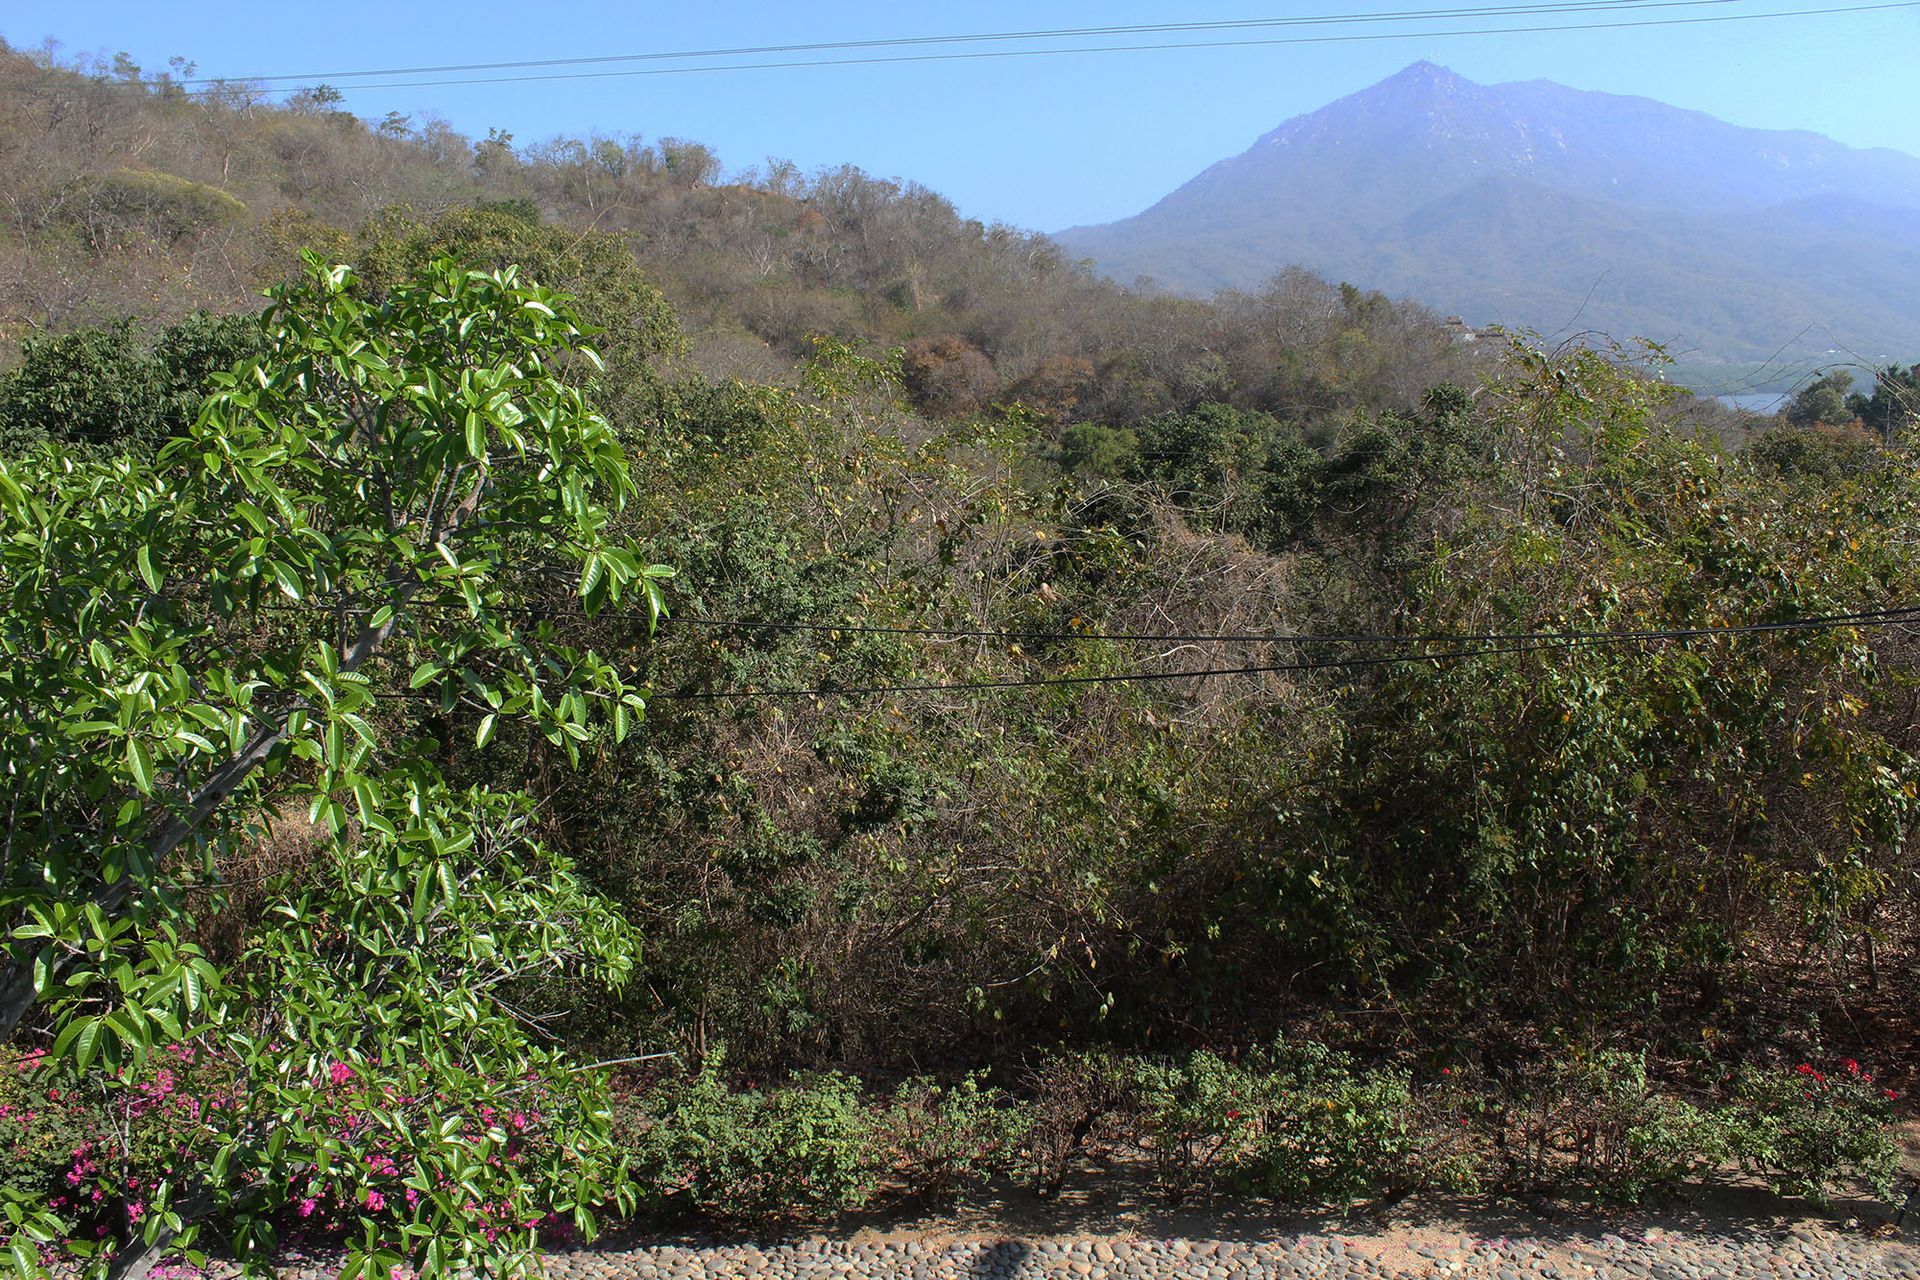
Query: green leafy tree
{"points": [[1617, 784], [193, 646], [494, 156], [1090, 450], [1894, 404], [611, 294], [1822, 402], [104, 387]]}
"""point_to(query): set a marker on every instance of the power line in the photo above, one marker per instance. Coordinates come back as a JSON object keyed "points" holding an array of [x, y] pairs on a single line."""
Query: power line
{"points": [[1818, 622], [1059, 33], [1502, 643], [1831, 11], [1902, 613], [1548, 642], [1118, 677], [1572, 641]]}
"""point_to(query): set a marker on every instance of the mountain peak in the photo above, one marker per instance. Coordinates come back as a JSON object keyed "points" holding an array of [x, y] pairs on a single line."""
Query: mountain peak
{"points": [[1423, 75], [1509, 201], [1419, 92]]}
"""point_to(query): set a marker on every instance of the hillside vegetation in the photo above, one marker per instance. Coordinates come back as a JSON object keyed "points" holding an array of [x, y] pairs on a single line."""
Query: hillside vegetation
{"points": [[1533, 204], [654, 698], [128, 198]]}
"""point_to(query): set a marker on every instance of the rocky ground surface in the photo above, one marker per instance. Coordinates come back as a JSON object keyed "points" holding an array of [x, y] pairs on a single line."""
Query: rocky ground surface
{"points": [[1110, 1226], [1803, 1254], [1728, 1234]]}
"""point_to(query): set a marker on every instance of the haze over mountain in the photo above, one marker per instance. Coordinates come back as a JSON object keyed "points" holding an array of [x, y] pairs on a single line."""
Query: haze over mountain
{"points": [[1531, 204]]}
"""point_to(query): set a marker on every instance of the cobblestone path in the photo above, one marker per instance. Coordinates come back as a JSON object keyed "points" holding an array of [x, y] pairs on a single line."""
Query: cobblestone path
{"points": [[1802, 1254]]}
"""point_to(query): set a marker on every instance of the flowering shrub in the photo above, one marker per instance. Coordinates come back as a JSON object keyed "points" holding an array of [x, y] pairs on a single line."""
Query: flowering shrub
{"points": [[1297, 1123], [1198, 1119], [1593, 1124], [1333, 1135], [43, 1128], [103, 1164], [380, 1031], [99, 1152], [506, 1127], [808, 1148], [1805, 1129], [935, 1138]]}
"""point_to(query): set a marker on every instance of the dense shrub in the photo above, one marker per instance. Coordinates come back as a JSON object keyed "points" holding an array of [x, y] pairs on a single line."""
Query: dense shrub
{"points": [[804, 1148], [1808, 1131], [947, 377], [1595, 1125], [939, 1138], [110, 389], [1821, 453], [162, 205], [1333, 1134], [1296, 1123], [1200, 1119]]}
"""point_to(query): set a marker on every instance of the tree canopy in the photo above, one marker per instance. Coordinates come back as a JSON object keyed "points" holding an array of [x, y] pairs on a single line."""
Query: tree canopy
{"points": [[201, 650]]}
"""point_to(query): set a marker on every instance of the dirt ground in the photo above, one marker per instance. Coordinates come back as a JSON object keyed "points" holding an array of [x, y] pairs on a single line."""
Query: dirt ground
{"points": [[1118, 1201]]}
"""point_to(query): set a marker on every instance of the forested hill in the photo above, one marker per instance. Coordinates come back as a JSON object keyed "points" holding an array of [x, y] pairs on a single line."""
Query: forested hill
{"points": [[1531, 203], [1281, 744], [126, 197]]}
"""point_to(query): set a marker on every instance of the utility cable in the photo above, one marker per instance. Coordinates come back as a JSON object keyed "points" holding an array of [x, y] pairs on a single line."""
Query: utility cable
{"points": [[1059, 33], [1828, 11], [1546, 642], [1867, 617]]}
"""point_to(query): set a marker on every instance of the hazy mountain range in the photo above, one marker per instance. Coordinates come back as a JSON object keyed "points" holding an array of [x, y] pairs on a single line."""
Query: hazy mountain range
{"points": [[1532, 204]]}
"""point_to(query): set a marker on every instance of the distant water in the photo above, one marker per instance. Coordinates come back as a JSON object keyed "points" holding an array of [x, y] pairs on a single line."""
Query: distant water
{"points": [[1756, 401]]}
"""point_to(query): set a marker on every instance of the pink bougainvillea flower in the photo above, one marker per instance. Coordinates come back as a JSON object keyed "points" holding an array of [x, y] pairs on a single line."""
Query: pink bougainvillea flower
{"points": [[340, 1072], [376, 1201]]}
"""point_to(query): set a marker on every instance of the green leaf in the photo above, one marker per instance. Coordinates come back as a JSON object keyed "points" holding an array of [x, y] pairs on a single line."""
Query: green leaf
{"points": [[485, 734], [592, 574], [140, 765], [422, 893], [144, 558], [85, 1044], [290, 583]]}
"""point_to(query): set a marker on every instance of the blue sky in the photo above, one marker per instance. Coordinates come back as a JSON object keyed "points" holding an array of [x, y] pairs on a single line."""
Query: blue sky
{"points": [[1039, 142]]}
